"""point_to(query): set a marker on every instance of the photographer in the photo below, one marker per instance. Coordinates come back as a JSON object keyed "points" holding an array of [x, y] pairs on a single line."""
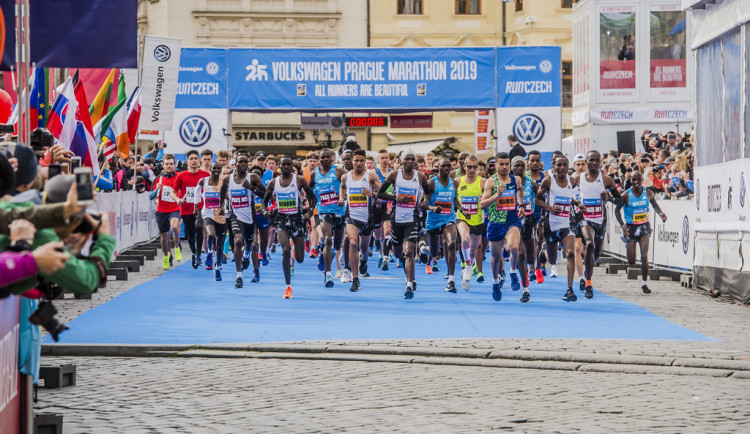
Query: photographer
{"points": [[157, 154], [15, 266]]}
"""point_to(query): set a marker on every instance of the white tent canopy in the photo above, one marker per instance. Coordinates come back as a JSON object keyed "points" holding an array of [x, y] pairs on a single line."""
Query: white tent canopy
{"points": [[421, 147]]}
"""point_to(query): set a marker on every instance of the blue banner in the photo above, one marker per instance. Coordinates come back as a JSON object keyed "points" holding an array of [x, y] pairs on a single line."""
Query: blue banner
{"points": [[528, 76], [202, 81], [374, 79]]}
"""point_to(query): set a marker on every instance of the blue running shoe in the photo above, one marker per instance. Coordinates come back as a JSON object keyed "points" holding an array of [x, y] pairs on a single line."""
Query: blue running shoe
{"points": [[380, 262], [321, 263], [515, 285], [217, 274], [256, 278], [544, 271], [264, 258], [497, 294], [328, 281], [506, 254], [209, 261], [532, 275], [409, 294]]}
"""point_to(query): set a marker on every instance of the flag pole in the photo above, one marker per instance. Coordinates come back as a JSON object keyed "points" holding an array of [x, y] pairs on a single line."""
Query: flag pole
{"points": [[25, 63]]}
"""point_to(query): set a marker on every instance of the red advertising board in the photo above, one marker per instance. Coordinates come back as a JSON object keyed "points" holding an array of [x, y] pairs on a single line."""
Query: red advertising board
{"points": [[10, 377], [617, 74], [411, 121], [668, 72]]}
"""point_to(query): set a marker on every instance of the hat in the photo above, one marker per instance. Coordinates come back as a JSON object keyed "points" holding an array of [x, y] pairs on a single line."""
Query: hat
{"points": [[669, 160], [57, 188], [408, 152], [515, 160], [579, 157], [491, 160], [260, 154], [7, 177], [27, 161]]}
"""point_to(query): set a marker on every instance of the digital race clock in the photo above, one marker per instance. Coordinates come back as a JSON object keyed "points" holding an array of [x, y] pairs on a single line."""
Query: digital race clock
{"points": [[367, 121]]}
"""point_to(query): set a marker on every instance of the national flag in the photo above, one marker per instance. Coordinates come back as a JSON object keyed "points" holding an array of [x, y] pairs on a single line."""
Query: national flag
{"points": [[83, 111], [134, 115], [116, 134], [83, 144], [100, 107], [62, 117], [38, 99]]}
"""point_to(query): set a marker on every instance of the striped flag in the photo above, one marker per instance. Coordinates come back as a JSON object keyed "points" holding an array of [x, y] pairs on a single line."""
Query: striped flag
{"points": [[134, 115], [100, 107]]}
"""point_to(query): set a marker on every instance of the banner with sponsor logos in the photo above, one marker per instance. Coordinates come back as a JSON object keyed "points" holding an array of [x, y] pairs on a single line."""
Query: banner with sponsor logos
{"points": [[721, 198], [159, 76], [130, 217], [482, 130], [617, 53], [10, 377], [668, 68], [639, 115], [202, 80], [197, 129], [361, 79]]}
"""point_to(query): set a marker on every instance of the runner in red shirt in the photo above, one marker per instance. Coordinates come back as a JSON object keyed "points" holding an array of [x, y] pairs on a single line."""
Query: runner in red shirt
{"points": [[183, 192], [167, 211]]}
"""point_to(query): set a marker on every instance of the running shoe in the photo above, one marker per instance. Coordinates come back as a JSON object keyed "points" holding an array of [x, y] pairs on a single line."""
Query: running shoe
{"points": [[506, 254], [451, 287], [171, 260], [391, 257], [209, 261], [217, 274], [313, 253], [582, 284], [414, 286], [525, 297], [497, 294], [238, 283], [264, 258], [480, 278], [380, 262], [245, 263], [329, 281], [385, 266], [474, 269], [427, 269], [287, 292], [273, 248], [435, 266], [645, 289], [539, 276], [532, 275], [399, 264], [178, 254], [409, 294], [589, 292], [256, 278], [463, 264], [363, 269], [321, 263], [466, 279], [553, 271], [346, 276], [355, 285], [423, 253], [198, 259], [194, 263], [544, 273], [338, 275], [166, 262], [291, 271], [515, 285], [570, 295]]}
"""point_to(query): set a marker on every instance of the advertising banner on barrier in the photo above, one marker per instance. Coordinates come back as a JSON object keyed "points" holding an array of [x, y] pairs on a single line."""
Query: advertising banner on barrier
{"points": [[721, 198], [639, 115], [131, 217], [197, 129], [10, 377], [160, 68], [617, 47], [361, 79]]}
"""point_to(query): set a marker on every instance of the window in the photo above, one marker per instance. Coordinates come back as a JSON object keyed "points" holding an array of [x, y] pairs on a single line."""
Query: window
{"points": [[567, 84], [410, 7], [468, 7], [519, 5], [567, 4]]}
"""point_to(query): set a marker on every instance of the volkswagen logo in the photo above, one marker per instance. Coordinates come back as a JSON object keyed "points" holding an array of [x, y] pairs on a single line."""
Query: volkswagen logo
{"points": [[212, 68], [743, 189], [162, 53], [529, 129], [545, 66], [195, 131], [685, 234], [336, 122]]}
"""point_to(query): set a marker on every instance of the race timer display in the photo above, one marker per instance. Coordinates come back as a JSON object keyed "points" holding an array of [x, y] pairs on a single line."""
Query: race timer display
{"points": [[369, 121]]}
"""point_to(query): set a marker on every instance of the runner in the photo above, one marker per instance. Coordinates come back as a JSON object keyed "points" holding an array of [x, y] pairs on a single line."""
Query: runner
{"points": [[183, 192], [326, 183], [470, 219], [167, 211], [409, 185], [594, 186], [207, 156], [381, 213], [558, 204], [579, 166], [311, 245], [636, 228], [536, 174], [289, 221], [214, 220], [346, 274], [357, 186], [528, 225], [503, 199], [441, 204], [240, 186]]}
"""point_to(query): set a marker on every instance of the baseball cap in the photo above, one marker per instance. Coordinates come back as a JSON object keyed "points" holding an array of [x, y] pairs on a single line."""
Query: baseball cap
{"points": [[491, 160], [259, 155], [579, 157]]}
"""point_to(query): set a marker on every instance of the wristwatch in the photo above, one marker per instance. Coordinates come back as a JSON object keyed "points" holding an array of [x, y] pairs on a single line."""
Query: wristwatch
{"points": [[20, 246]]}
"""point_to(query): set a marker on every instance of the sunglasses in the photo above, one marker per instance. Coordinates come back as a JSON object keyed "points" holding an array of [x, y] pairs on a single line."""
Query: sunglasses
{"points": [[471, 167]]}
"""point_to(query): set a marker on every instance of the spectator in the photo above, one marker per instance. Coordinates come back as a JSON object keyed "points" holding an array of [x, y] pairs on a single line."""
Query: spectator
{"points": [[157, 153], [516, 150]]}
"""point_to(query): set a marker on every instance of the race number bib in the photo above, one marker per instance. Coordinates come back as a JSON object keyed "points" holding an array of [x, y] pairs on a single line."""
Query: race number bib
{"points": [[410, 194], [507, 201], [239, 198], [287, 203], [444, 200], [190, 195], [212, 200], [470, 205], [356, 198], [528, 208], [165, 194], [329, 197], [594, 209], [640, 216], [564, 204]]}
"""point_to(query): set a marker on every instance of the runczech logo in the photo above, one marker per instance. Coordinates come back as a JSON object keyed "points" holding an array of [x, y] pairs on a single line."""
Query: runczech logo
{"points": [[162, 53], [256, 72], [212, 68], [336, 122], [685, 234], [195, 131], [545, 66], [529, 129], [743, 189]]}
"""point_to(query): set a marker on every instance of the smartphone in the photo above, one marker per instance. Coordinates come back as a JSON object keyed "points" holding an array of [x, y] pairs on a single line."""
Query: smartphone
{"points": [[53, 170], [85, 185], [75, 163]]}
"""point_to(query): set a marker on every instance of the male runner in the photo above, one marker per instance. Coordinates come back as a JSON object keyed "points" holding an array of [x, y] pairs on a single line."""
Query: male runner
{"points": [[167, 211], [470, 220], [183, 192], [357, 186], [579, 166], [636, 228], [380, 214], [408, 185], [441, 203], [536, 174], [311, 245], [528, 225], [207, 156], [558, 204], [594, 186], [262, 224], [460, 171], [503, 199], [289, 221], [326, 183], [223, 157], [240, 186], [214, 220]]}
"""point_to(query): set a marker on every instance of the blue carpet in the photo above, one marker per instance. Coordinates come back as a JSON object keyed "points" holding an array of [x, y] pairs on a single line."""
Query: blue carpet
{"points": [[186, 306]]}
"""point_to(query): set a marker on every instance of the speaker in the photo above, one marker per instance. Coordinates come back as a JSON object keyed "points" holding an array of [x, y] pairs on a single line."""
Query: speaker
{"points": [[626, 142]]}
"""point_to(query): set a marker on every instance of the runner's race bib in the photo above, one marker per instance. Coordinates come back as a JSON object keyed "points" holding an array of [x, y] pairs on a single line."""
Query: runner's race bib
{"points": [[507, 201], [190, 195], [356, 198], [212, 200], [470, 205], [240, 198], [640, 216], [329, 197], [594, 209], [528, 208], [445, 201], [409, 193], [287, 203], [165, 191], [564, 204]]}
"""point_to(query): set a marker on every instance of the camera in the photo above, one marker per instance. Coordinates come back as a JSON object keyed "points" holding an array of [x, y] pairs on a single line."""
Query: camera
{"points": [[41, 139], [45, 316], [85, 227]]}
